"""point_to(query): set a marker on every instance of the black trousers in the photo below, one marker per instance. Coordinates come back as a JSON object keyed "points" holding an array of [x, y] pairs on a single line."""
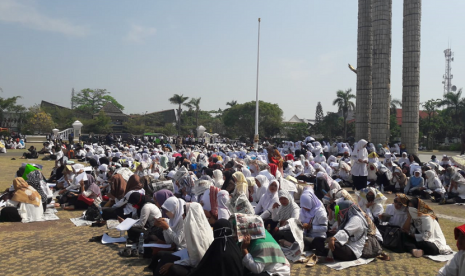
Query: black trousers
{"points": [[175, 270], [411, 243], [284, 234], [10, 214], [113, 213], [315, 243], [360, 182], [342, 253]]}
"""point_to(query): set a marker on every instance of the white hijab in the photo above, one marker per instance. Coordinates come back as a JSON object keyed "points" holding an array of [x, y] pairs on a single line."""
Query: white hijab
{"points": [[264, 185], [218, 178], [223, 202], [198, 232], [176, 206], [269, 198]]}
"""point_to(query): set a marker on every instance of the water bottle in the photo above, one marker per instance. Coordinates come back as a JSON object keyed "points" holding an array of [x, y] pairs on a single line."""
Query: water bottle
{"points": [[141, 243], [382, 188]]}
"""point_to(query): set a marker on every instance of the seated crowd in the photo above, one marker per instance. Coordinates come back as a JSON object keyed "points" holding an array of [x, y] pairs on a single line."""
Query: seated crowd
{"points": [[190, 199]]}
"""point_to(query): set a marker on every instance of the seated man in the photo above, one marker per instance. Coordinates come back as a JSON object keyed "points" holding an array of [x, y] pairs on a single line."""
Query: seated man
{"points": [[46, 149]]}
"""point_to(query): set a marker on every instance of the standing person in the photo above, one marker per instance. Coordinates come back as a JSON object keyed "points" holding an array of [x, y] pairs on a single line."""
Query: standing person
{"points": [[462, 139], [71, 138], [359, 165]]}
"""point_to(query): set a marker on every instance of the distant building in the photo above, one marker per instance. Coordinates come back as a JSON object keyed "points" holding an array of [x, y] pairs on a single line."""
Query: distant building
{"points": [[169, 115], [421, 113], [294, 120], [116, 115], [12, 120]]}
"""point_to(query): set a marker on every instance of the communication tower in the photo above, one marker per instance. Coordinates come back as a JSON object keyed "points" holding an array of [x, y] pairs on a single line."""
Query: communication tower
{"points": [[448, 87]]}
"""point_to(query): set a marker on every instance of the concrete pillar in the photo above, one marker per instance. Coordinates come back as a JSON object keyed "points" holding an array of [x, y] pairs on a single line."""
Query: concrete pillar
{"points": [[382, 22], [411, 75], [364, 70]]}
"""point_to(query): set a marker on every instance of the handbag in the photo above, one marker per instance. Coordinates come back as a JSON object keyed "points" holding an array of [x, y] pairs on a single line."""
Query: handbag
{"points": [[392, 239], [88, 201], [372, 248]]}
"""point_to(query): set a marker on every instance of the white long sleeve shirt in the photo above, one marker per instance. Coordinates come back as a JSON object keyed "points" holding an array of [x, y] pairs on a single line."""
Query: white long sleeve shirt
{"points": [[353, 228], [272, 268]]}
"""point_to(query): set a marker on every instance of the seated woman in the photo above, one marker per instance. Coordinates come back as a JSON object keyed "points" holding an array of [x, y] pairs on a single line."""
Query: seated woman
{"points": [[160, 197], [223, 205], [121, 208], [398, 181], [398, 211], [315, 222], [209, 202], [32, 154], [223, 257], [433, 188], [266, 202], [117, 189], [34, 177], [24, 206], [198, 235], [262, 183], [456, 188], [422, 233], [264, 257], [371, 202], [147, 213], [322, 186], [282, 212], [456, 266], [218, 178], [415, 184], [348, 243]]}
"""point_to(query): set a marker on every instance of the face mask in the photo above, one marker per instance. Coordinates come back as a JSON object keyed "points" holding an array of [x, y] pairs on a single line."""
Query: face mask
{"points": [[413, 212]]}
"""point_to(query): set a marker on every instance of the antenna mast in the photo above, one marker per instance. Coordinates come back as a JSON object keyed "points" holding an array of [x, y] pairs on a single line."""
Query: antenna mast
{"points": [[448, 87]]}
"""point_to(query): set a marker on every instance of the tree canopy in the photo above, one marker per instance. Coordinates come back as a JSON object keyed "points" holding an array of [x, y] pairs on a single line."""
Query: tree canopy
{"points": [[240, 119], [90, 101]]}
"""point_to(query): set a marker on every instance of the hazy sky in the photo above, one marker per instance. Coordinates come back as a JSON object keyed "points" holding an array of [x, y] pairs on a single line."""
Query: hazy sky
{"points": [[143, 52]]}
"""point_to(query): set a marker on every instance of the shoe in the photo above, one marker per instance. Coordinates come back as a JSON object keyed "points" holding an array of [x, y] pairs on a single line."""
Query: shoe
{"points": [[417, 253], [312, 261], [433, 199], [384, 257], [442, 202]]}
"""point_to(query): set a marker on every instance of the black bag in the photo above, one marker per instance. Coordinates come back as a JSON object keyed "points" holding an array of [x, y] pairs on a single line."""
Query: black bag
{"points": [[92, 213], [392, 239], [372, 248]]}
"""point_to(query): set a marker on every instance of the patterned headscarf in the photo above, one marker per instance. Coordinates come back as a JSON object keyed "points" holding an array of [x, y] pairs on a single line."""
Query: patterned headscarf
{"points": [[424, 209], [285, 212], [348, 209], [402, 199], [33, 179], [25, 193]]}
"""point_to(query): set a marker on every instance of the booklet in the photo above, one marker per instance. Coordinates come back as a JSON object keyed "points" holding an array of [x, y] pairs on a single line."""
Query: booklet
{"points": [[126, 224]]}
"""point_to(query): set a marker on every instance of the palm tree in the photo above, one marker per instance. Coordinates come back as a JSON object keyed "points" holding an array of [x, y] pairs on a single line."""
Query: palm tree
{"points": [[395, 103], [179, 100], [344, 104], [231, 103], [195, 103], [453, 102]]}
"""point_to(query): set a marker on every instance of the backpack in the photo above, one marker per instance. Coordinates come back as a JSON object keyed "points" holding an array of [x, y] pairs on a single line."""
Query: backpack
{"points": [[92, 213]]}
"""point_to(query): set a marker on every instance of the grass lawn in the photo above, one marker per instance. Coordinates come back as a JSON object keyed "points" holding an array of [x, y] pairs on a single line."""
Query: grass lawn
{"points": [[60, 248]]}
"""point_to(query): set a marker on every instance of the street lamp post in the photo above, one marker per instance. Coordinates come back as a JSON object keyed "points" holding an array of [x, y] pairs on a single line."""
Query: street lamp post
{"points": [[256, 137]]}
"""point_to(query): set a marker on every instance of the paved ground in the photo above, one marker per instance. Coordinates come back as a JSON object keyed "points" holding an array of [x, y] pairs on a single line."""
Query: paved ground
{"points": [[60, 248]]}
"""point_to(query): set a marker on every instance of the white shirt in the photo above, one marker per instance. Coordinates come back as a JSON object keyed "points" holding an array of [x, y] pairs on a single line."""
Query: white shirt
{"points": [[353, 228], [271, 268], [454, 267], [398, 216]]}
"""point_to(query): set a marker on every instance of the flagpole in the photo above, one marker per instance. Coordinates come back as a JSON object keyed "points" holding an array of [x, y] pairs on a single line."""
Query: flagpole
{"points": [[256, 139]]}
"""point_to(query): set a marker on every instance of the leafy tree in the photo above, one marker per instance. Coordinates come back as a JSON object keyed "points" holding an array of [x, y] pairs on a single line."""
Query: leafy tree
{"points": [[38, 121], [10, 105], [395, 103], [394, 127], [99, 124], [239, 120], [63, 118], [231, 103], [331, 125], [344, 104], [194, 103], [179, 100], [429, 125], [295, 131], [454, 103], [90, 101]]}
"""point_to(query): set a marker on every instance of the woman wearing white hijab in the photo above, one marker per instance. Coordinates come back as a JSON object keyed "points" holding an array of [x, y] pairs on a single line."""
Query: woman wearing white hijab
{"points": [[359, 165], [433, 187], [218, 178], [174, 208], [314, 220], [265, 205], [223, 205], [198, 235], [262, 183]]}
